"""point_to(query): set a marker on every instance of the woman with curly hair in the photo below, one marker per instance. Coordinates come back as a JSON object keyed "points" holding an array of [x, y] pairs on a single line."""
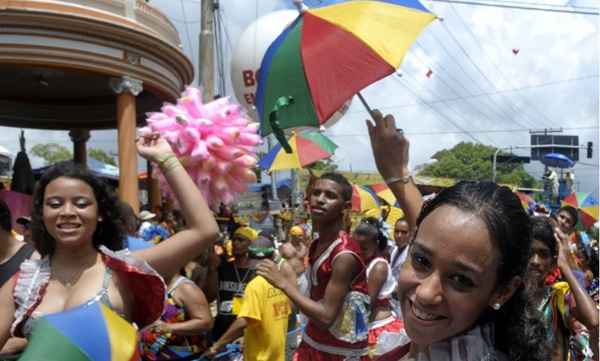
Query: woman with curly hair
{"points": [[82, 282], [461, 289]]}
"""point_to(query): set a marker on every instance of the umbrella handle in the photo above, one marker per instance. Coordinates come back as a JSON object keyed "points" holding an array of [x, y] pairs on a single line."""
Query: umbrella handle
{"points": [[364, 102]]}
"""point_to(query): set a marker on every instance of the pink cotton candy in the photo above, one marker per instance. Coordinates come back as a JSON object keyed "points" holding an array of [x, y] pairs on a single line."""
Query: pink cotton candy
{"points": [[215, 141]]}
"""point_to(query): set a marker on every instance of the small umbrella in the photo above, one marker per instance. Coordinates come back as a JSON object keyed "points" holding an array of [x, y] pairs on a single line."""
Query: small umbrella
{"points": [[307, 148], [557, 160], [526, 201], [587, 206], [328, 54], [363, 199], [385, 193]]}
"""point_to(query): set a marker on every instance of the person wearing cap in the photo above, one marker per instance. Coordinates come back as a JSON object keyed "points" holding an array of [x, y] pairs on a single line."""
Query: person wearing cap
{"points": [[227, 279], [145, 218], [262, 318]]}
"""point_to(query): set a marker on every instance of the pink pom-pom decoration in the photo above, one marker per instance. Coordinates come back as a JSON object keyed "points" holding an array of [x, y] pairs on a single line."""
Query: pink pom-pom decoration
{"points": [[216, 143]]}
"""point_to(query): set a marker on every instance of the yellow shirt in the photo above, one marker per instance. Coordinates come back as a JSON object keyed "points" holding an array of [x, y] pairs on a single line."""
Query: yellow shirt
{"points": [[267, 310]]}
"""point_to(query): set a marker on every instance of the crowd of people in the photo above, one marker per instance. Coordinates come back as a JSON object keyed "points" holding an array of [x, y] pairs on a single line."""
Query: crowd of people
{"points": [[467, 275]]}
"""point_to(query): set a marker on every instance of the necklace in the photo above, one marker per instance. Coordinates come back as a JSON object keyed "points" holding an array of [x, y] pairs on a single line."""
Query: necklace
{"points": [[237, 275]]}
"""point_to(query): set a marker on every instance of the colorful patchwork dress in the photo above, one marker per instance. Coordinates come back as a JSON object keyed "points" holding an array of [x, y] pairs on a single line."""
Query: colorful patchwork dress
{"points": [[92, 331]]}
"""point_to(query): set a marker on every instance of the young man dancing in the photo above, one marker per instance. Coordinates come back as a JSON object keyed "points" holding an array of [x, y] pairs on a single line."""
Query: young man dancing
{"points": [[338, 304]]}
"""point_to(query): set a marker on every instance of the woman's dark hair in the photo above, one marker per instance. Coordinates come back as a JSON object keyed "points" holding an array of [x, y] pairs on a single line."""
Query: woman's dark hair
{"points": [[5, 216], [519, 330], [372, 228], [109, 232], [541, 230]]}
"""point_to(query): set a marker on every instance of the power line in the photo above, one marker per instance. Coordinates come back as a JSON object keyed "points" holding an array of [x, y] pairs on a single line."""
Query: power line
{"points": [[517, 110], [480, 131], [518, 7], [459, 114], [187, 31], [466, 132], [498, 108]]}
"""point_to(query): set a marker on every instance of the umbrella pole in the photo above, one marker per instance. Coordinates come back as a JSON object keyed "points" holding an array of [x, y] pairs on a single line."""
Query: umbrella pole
{"points": [[364, 102]]}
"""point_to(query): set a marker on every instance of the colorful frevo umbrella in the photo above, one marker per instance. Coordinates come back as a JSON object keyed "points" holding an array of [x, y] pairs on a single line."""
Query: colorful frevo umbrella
{"points": [[107, 336], [307, 148], [363, 199], [526, 201], [384, 192], [328, 54], [587, 206]]}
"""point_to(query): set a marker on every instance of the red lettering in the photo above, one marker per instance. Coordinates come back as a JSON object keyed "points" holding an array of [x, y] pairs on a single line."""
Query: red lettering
{"points": [[248, 76], [250, 98]]}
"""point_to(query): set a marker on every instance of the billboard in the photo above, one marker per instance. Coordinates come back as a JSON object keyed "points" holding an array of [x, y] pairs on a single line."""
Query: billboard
{"points": [[555, 144]]}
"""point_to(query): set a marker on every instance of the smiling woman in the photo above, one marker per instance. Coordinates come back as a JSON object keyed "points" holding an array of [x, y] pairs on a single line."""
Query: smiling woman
{"points": [[461, 289], [84, 279]]}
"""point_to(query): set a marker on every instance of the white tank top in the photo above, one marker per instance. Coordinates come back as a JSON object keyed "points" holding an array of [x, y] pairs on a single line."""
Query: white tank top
{"points": [[390, 283]]}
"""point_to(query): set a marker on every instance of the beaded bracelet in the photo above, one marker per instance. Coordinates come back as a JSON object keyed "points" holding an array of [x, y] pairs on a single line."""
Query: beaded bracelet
{"points": [[168, 163]]}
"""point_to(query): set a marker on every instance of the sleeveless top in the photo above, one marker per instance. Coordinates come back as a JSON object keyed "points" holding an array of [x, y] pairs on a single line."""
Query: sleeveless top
{"points": [[11, 266], [231, 284], [389, 286], [107, 335], [348, 336], [161, 346]]}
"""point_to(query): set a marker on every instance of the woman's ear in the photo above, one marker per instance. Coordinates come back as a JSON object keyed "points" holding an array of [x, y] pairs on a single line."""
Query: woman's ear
{"points": [[503, 294]]}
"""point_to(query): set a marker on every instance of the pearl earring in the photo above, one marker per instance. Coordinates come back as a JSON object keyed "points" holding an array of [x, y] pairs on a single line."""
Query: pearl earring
{"points": [[496, 306]]}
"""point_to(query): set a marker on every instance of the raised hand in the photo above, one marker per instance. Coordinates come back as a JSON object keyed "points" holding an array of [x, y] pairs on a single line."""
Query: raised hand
{"points": [[153, 147], [390, 147]]}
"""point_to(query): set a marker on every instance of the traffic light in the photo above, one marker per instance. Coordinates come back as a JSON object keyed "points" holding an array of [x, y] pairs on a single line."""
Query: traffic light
{"points": [[589, 150]]}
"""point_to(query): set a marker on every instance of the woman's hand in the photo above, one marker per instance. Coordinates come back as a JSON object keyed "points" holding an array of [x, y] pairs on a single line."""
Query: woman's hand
{"points": [[269, 270], [390, 147], [153, 147]]}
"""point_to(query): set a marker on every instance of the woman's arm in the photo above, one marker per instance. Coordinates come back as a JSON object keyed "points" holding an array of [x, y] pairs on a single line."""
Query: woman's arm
{"points": [[390, 149], [585, 310], [193, 301], [375, 281], [7, 311], [169, 256]]}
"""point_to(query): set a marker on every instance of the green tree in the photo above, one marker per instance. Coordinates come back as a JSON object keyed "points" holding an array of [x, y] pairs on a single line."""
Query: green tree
{"points": [[324, 166], [99, 154], [53, 153], [470, 161]]}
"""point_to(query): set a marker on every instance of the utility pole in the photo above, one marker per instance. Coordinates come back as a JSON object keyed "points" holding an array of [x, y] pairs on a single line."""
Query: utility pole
{"points": [[206, 65]]}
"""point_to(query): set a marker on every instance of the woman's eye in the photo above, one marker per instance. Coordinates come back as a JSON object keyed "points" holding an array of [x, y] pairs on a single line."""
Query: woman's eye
{"points": [[81, 203], [462, 283], [419, 262], [53, 203]]}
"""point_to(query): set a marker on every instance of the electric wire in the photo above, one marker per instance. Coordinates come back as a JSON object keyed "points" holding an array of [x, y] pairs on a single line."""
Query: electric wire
{"points": [[532, 106], [187, 31]]}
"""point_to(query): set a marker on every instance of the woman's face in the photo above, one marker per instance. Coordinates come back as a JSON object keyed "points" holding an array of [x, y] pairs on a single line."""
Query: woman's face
{"points": [[367, 245], [70, 212], [450, 275]]}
